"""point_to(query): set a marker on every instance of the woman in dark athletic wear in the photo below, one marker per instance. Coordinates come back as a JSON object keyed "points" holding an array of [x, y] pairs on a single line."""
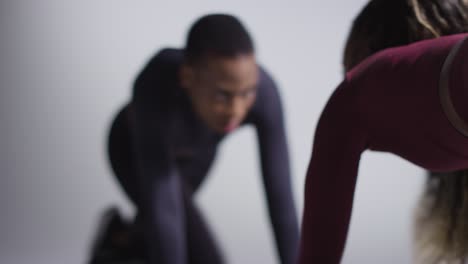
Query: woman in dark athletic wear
{"points": [[410, 101], [439, 226], [163, 142]]}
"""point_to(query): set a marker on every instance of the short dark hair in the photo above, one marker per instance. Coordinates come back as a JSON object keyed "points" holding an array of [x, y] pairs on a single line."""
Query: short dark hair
{"points": [[218, 35]]}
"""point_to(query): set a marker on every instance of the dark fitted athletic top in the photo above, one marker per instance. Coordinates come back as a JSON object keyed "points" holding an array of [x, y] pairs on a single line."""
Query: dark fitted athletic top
{"points": [[174, 150], [391, 103]]}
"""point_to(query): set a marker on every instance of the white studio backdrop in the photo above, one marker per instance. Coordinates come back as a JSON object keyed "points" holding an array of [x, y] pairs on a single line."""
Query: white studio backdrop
{"points": [[67, 66]]}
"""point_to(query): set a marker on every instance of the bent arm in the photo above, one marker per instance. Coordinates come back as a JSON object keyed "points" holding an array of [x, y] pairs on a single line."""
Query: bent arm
{"points": [[276, 171], [161, 190], [330, 181]]}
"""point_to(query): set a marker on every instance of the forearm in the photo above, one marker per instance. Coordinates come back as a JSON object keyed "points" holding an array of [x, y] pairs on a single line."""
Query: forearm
{"points": [[277, 181], [340, 138], [161, 197], [162, 211], [285, 224], [327, 212]]}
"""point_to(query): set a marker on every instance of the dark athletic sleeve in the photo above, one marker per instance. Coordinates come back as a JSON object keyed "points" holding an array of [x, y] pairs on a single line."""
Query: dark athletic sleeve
{"points": [[161, 202], [275, 167], [331, 179]]}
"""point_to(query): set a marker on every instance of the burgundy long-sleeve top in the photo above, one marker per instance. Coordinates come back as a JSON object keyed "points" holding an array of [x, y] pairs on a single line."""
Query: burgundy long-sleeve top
{"points": [[390, 102]]}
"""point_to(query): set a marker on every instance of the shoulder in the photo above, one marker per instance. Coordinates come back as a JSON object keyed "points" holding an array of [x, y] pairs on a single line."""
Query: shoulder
{"points": [[415, 58], [267, 90], [161, 68], [267, 104], [158, 82], [266, 83], [164, 61], [169, 56]]}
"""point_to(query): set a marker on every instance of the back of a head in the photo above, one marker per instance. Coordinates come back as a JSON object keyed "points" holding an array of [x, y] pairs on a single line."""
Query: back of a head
{"points": [[217, 35], [390, 23]]}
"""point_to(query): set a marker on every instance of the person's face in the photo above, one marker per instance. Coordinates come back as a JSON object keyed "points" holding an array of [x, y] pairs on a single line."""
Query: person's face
{"points": [[222, 89]]}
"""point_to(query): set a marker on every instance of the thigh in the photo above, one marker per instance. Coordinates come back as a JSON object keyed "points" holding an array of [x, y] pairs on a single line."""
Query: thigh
{"points": [[203, 248]]}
